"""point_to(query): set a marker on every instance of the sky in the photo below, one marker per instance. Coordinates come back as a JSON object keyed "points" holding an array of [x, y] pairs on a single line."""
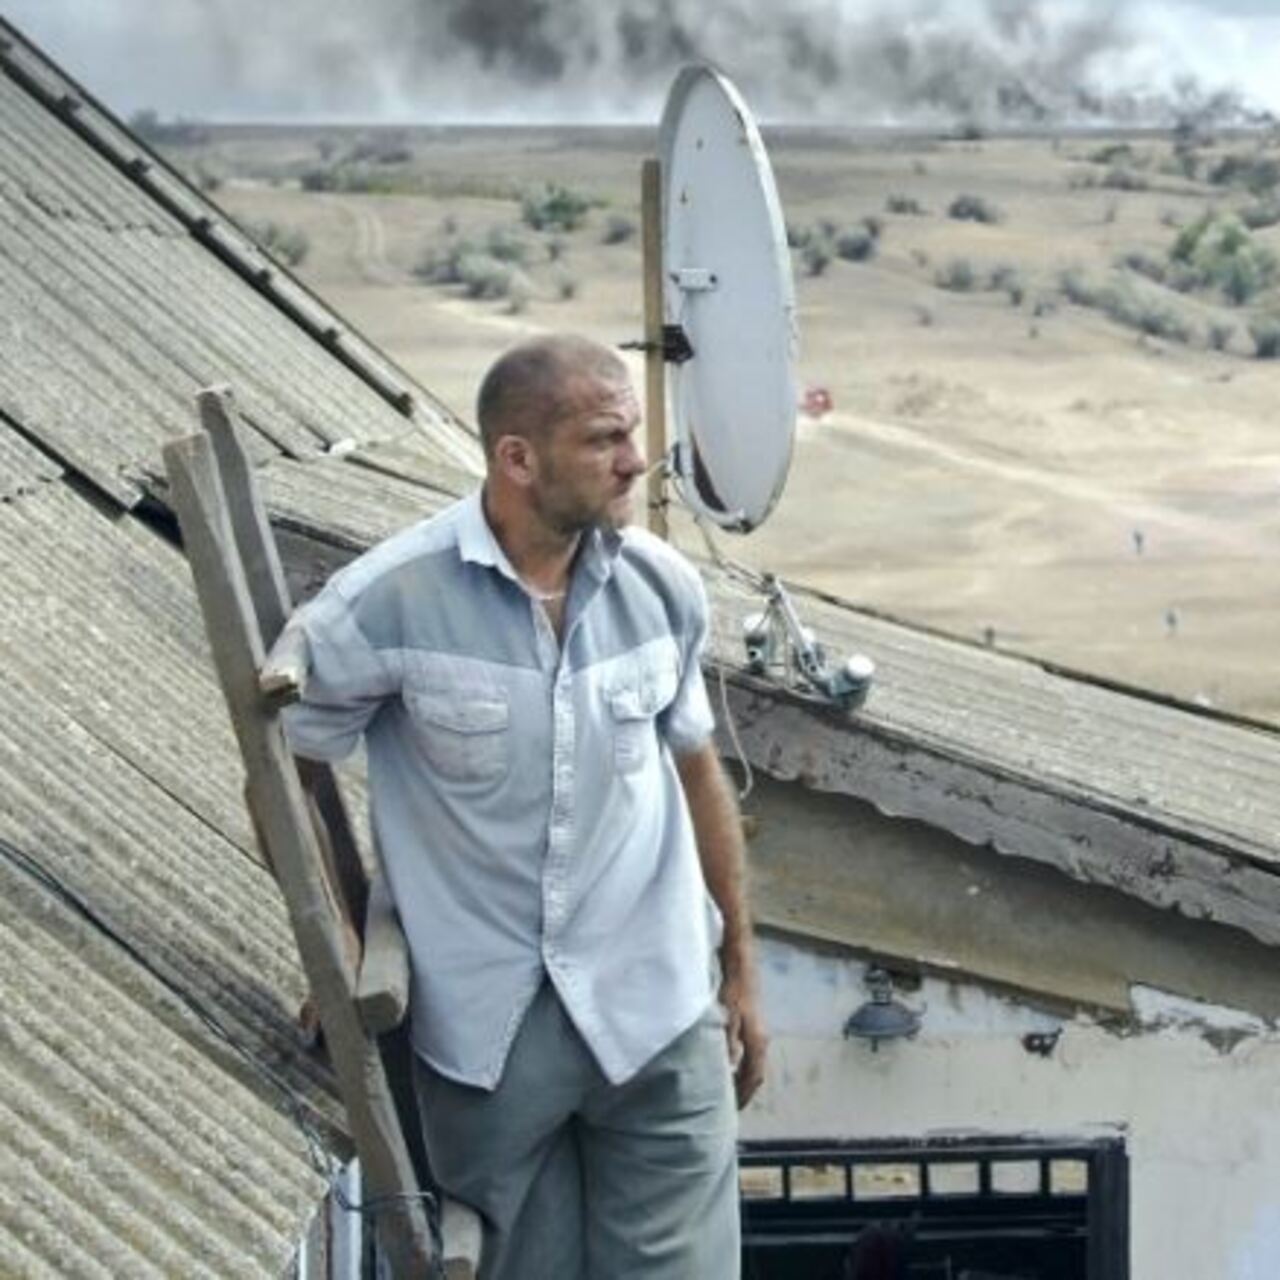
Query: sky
{"points": [[836, 61]]}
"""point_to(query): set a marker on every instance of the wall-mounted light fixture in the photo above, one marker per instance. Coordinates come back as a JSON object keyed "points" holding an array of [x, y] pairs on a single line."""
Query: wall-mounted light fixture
{"points": [[882, 1017]]}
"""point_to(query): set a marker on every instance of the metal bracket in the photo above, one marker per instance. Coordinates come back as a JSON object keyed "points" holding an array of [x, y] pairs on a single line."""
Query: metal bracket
{"points": [[676, 347], [695, 279], [777, 639]]}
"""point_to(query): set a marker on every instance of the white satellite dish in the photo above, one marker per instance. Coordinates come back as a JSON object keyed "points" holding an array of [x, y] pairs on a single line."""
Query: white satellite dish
{"points": [[720, 343], [728, 304]]}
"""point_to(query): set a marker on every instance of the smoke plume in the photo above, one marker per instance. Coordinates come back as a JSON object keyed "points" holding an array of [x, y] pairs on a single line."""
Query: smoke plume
{"points": [[833, 61]]}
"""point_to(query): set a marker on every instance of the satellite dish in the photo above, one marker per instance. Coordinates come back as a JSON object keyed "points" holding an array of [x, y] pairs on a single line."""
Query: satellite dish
{"points": [[728, 304]]}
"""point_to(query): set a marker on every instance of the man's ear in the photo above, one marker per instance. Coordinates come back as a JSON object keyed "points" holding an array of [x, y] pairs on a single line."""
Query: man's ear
{"points": [[515, 458]]}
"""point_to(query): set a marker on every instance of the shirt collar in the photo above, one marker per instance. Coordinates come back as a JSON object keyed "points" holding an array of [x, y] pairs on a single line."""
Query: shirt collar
{"points": [[478, 545]]}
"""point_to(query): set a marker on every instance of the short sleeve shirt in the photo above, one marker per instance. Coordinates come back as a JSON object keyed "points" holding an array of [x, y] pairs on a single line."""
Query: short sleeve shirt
{"points": [[523, 791]]}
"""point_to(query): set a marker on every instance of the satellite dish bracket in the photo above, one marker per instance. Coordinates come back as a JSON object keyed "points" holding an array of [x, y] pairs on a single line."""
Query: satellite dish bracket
{"points": [[694, 279], [778, 639], [675, 349]]}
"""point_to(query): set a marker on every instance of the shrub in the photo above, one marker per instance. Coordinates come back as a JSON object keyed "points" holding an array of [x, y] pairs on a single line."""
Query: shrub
{"points": [[1258, 174], [1148, 315], [555, 206], [1007, 280], [1123, 180], [971, 208], [619, 229], [904, 204], [1265, 213], [1219, 253], [485, 277], [855, 245], [958, 276], [444, 265], [1112, 153], [319, 178], [1145, 264], [1133, 308], [1077, 288], [815, 257], [507, 246], [1265, 333], [289, 245], [389, 149], [1219, 335]]}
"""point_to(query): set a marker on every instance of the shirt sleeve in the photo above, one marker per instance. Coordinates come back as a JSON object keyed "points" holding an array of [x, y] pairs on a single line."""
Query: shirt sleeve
{"points": [[687, 723], [347, 681]]}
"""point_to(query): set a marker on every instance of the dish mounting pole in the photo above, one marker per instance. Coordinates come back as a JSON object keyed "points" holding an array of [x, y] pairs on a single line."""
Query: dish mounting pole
{"points": [[655, 367]]}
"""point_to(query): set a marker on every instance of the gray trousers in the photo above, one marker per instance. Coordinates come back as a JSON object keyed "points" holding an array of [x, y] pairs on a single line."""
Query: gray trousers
{"points": [[578, 1179]]}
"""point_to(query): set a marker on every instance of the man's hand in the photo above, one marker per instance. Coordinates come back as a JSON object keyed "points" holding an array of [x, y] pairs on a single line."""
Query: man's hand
{"points": [[748, 1043]]}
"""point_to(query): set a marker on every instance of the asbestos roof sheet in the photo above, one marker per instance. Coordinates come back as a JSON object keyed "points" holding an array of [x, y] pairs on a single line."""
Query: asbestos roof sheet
{"points": [[1158, 762], [149, 1146], [114, 311], [354, 504], [23, 467]]}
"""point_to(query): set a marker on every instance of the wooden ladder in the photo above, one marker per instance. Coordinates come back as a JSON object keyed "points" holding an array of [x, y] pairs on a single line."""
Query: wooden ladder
{"points": [[349, 940]]}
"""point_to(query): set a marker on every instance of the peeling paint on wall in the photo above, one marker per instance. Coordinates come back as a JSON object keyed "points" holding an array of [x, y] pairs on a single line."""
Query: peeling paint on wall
{"points": [[1201, 1124]]}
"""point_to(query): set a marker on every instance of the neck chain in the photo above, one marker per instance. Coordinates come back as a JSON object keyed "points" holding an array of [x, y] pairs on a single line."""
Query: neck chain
{"points": [[544, 597]]}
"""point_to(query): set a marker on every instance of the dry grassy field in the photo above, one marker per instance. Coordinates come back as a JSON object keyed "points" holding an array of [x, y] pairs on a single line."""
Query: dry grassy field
{"points": [[1053, 430]]}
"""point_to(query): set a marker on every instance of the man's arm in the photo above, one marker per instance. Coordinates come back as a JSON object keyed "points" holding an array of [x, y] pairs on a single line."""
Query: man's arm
{"points": [[718, 829]]}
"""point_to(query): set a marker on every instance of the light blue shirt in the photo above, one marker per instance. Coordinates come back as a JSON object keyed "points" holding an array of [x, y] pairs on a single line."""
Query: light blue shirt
{"points": [[523, 792]]}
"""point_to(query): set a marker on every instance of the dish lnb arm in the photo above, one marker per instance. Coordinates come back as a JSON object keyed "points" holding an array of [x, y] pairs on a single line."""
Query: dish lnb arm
{"points": [[778, 642]]}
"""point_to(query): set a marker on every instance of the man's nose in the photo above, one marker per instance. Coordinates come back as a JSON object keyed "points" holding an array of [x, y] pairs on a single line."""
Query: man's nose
{"points": [[632, 461]]}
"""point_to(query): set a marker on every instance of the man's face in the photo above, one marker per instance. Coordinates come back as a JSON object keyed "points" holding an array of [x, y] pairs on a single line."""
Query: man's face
{"points": [[589, 462]]}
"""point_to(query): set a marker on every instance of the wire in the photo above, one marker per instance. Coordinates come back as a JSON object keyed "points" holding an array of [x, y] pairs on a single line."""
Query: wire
{"points": [[744, 576]]}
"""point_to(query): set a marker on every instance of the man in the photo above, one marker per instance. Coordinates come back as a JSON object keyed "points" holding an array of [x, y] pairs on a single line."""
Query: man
{"points": [[562, 846]]}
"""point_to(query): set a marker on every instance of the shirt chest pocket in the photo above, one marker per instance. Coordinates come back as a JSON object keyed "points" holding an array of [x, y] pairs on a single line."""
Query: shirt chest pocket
{"points": [[465, 735], [636, 699]]}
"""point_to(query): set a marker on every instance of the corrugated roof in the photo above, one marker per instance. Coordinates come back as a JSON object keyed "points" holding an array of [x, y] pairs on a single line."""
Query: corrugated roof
{"points": [[147, 1145], [1147, 758], [135, 1150], [22, 466], [117, 304], [355, 505], [145, 1142]]}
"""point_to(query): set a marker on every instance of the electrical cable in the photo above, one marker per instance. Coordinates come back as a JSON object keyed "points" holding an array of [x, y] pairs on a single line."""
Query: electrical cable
{"points": [[743, 576]]}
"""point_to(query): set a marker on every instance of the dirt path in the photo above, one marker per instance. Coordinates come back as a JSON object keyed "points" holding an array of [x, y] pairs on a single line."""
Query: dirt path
{"points": [[369, 245], [1123, 508]]}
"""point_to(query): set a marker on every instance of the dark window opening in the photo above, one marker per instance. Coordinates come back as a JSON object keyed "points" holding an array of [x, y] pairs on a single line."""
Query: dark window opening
{"points": [[959, 1209]]}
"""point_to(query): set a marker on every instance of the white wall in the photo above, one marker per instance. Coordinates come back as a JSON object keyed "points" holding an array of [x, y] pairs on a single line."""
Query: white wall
{"points": [[1202, 1124]]}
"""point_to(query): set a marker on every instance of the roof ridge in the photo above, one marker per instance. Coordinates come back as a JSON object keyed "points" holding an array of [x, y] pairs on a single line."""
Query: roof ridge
{"points": [[216, 230]]}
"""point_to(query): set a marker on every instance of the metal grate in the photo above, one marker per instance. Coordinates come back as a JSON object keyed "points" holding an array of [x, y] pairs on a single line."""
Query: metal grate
{"points": [[1021, 1209]]}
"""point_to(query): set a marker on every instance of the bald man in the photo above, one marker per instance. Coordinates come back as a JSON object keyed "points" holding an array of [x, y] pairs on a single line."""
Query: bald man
{"points": [[562, 846]]}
